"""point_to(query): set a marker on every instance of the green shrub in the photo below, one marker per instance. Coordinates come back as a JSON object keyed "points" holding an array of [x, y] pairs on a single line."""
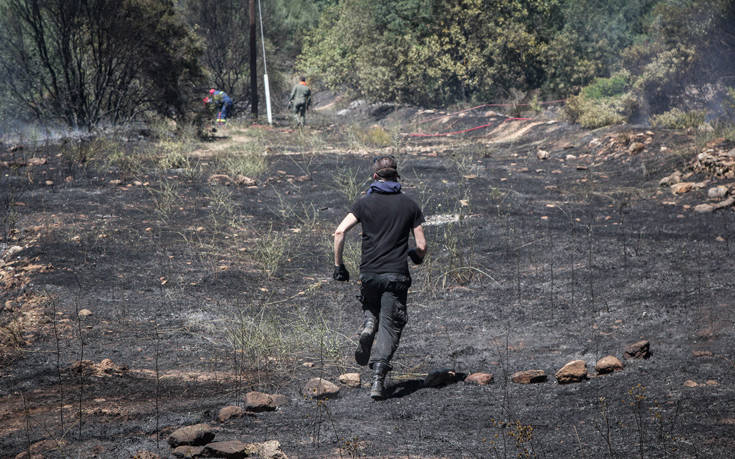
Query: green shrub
{"points": [[679, 119], [247, 163], [607, 87], [592, 114]]}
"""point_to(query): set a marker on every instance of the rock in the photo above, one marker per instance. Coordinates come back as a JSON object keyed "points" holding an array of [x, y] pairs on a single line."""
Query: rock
{"points": [[570, 157], [49, 183], [637, 350], [12, 251], [145, 454], [439, 378], [228, 412], [187, 451], [258, 402], [37, 161], [726, 203], [528, 377], [608, 364], [85, 313], [682, 187], [350, 379], [194, 435], [481, 379], [269, 450], [115, 182], [542, 154], [690, 383], [712, 382], [670, 179], [229, 449], [636, 147], [39, 448], [574, 371], [246, 181], [702, 353], [320, 388], [704, 208], [717, 192]]}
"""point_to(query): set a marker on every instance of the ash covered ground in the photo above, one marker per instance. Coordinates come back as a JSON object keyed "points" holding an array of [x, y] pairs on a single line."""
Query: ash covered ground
{"points": [[547, 244]]}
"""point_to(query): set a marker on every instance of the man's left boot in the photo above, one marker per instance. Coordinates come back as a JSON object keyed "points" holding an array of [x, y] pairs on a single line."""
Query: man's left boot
{"points": [[365, 342], [377, 391]]}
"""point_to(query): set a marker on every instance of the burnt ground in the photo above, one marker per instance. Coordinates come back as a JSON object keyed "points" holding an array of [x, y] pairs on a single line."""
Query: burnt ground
{"points": [[201, 292]]}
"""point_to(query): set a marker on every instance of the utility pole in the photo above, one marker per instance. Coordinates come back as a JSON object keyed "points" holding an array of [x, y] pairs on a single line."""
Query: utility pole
{"points": [[253, 64]]}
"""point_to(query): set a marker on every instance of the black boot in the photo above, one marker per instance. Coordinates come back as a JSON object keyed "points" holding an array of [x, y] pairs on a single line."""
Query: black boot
{"points": [[377, 391], [365, 342]]}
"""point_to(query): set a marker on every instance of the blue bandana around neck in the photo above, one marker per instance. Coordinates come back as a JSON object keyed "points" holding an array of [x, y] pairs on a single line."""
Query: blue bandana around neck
{"points": [[384, 187]]}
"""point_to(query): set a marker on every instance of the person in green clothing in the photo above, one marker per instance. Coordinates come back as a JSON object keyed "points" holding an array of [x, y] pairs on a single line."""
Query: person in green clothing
{"points": [[300, 101]]}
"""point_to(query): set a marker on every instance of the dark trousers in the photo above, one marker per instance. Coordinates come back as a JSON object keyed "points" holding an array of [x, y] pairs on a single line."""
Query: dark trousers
{"points": [[383, 299]]}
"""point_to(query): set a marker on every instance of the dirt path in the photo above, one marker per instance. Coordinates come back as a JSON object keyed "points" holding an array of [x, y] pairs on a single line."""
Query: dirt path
{"points": [[200, 293]]}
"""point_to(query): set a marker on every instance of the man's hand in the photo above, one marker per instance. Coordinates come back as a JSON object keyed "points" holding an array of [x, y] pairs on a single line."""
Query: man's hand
{"points": [[415, 257], [341, 274]]}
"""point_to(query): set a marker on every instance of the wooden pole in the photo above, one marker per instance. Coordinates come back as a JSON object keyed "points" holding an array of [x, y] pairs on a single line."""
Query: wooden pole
{"points": [[253, 64]]}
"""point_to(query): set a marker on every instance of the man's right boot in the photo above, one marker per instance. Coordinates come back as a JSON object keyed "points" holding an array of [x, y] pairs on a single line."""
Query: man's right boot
{"points": [[377, 391], [365, 342]]}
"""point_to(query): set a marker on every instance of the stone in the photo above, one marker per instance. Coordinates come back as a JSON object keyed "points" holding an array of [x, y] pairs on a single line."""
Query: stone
{"points": [[320, 388], [670, 179], [481, 379], [228, 412], [574, 371], [85, 313], [717, 192], [258, 402], [229, 449], [608, 364], [528, 377], [49, 183], [279, 399], [12, 251], [144, 454], [350, 379], [712, 382], [682, 187], [542, 154], [269, 450], [187, 451], [246, 181], [37, 161], [115, 182], [636, 147], [704, 208], [690, 383], [439, 378], [726, 203], [638, 350], [193, 435], [702, 353]]}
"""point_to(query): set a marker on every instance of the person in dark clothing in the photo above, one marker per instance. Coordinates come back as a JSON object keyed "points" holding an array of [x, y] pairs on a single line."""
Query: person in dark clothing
{"points": [[388, 217], [221, 99], [300, 101]]}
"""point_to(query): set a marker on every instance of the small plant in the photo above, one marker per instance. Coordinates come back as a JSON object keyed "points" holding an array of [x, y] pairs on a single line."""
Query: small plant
{"points": [[270, 252], [243, 162], [679, 119], [165, 199], [173, 155], [347, 182]]}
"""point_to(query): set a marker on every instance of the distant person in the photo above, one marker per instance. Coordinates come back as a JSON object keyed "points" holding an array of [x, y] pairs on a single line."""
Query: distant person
{"points": [[388, 217], [300, 101], [221, 100]]}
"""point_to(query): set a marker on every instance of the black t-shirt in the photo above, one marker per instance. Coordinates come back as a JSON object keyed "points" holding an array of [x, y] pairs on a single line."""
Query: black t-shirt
{"points": [[387, 220]]}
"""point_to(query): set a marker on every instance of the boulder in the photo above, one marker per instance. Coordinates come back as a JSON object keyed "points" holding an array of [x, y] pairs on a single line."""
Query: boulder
{"points": [[481, 379], [574, 371], [350, 379], [187, 451], [194, 435], [258, 402], [229, 449], [320, 388], [12, 251], [269, 450], [704, 208], [439, 378], [228, 412], [608, 364], [528, 377], [542, 154], [717, 192], [638, 350], [682, 187]]}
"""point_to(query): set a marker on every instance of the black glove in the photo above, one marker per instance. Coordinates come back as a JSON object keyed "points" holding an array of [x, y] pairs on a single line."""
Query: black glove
{"points": [[414, 256], [341, 274]]}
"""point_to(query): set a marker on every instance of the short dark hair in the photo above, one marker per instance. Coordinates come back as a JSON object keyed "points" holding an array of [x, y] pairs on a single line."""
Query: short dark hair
{"points": [[386, 167], [303, 78]]}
